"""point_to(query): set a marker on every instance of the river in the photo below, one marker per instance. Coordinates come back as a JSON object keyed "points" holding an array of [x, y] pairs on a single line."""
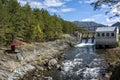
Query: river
{"points": [[83, 63]]}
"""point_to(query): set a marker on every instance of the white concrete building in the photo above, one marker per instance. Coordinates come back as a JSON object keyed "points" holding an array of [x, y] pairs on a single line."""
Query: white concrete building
{"points": [[107, 36]]}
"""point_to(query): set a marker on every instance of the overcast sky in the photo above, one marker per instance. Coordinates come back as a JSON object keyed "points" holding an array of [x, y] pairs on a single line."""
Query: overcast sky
{"points": [[73, 10]]}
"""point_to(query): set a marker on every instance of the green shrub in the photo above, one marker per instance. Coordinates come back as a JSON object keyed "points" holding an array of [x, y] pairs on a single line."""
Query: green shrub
{"points": [[43, 57], [39, 62]]}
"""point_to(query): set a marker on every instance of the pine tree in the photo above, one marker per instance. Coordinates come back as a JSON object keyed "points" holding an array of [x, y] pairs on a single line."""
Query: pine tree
{"points": [[29, 23]]}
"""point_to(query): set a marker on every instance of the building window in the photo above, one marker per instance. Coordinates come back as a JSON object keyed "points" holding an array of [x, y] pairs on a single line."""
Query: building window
{"points": [[112, 34], [103, 34], [98, 34], [107, 34]]}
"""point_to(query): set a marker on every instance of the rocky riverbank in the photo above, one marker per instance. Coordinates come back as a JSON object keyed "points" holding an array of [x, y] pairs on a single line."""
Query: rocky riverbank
{"points": [[32, 56], [112, 56]]}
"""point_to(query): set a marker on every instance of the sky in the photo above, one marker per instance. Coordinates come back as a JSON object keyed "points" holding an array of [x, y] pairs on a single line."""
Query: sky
{"points": [[74, 10]]}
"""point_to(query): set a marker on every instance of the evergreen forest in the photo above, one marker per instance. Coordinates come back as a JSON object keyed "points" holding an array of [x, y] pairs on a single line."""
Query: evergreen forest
{"points": [[30, 24]]}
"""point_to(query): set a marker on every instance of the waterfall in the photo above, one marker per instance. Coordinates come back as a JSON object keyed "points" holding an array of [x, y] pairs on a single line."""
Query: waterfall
{"points": [[83, 43]]}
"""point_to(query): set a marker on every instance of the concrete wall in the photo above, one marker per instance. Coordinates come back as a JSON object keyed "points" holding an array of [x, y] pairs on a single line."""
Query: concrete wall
{"points": [[107, 40], [117, 34]]}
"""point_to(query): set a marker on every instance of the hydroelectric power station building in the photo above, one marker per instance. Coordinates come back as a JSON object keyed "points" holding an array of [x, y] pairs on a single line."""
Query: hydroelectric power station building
{"points": [[107, 37]]}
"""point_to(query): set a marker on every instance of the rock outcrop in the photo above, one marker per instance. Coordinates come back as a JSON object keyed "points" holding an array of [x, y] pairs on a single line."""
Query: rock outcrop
{"points": [[14, 66]]}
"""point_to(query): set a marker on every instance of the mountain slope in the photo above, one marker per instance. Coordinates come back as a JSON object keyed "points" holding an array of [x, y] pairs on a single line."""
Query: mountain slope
{"points": [[116, 24], [88, 25]]}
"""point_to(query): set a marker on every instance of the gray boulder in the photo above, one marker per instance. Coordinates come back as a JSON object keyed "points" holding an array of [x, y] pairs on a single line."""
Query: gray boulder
{"points": [[19, 57], [53, 62]]}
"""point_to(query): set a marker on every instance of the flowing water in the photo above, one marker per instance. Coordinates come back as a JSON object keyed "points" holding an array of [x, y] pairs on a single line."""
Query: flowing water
{"points": [[82, 63]]}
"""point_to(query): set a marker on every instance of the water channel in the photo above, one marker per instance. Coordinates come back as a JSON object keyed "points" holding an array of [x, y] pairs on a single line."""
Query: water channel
{"points": [[83, 63]]}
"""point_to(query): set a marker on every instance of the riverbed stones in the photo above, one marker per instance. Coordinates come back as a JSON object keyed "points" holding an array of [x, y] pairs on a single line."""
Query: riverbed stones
{"points": [[62, 57], [59, 67], [46, 62], [19, 72], [40, 68], [107, 75], [53, 62], [19, 57]]}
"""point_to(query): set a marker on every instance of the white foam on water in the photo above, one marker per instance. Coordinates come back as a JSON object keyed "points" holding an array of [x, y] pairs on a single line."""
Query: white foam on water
{"points": [[69, 65], [92, 73], [79, 71], [78, 60], [96, 62], [98, 59], [84, 44], [48, 78], [77, 55]]}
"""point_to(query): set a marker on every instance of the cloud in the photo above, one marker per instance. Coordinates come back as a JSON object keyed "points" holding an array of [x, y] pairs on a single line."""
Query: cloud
{"points": [[50, 5], [36, 4], [67, 0], [86, 1], [42, 4], [22, 2], [97, 16], [89, 1], [104, 6], [52, 10], [93, 18], [110, 21], [89, 19], [105, 20], [67, 9], [32, 3], [53, 3]]}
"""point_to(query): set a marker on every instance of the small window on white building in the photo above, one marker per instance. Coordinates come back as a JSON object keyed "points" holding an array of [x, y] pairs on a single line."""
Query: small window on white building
{"points": [[98, 34], [107, 34], [103, 34], [112, 34]]}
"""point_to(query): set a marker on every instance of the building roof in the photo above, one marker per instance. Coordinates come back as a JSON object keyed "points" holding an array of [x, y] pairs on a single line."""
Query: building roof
{"points": [[105, 29]]}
